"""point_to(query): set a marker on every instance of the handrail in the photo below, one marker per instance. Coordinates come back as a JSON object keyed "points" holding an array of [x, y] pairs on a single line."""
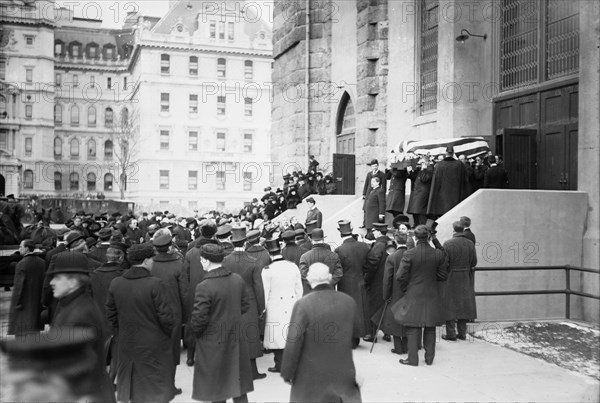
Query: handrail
{"points": [[567, 290]]}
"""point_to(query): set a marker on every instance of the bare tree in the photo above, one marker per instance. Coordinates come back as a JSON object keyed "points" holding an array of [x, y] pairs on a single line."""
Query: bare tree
{"points": [[125, 138]]}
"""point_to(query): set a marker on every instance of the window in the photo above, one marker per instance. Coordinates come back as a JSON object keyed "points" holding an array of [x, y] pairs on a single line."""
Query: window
{"points": [[29, 75], [57, 181], [221, 101], [91, 116], [108, 117], [213, 30], [108, 150], [164, 139], [92, 81], [108, 83], [57, 148], [124, 83], [220, 141], [193, 108], [57, 114], [109, 52], [193, 65], [74, 181], [248, 69], [220, 180], [91, 147], [221, 68], [75, 50], [221, 29], [3, 112], [28, 146], [429, 55], [164, 102], [248, 106], [193, 205], [74, 115], [124, 116], [164, 179], [2, 70], [59, 48], [192, 180], [230, 31], [29, 40], [247, 142], [248, 181], [28, 111], [91, 181], [193, 141], [165, 64], [28, 179], [75, 80], [3, 139], [108, 182], [92, 52], [74, 146], [58, 79]]}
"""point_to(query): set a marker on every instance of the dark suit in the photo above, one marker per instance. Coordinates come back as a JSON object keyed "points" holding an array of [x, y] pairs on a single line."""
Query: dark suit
{"points": [[292, 253], [495, 178], [374, 207], [321, 253], [315, 214], [25, 305]]}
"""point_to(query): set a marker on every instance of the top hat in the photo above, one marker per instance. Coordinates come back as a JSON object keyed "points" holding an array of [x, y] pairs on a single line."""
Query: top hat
{"points": [[450, 150], [345, 227], [311, 225], [238, 234], [317, 234], [272, 246]]}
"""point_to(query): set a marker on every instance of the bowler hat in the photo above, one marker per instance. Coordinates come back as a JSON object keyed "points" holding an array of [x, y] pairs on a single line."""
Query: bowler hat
{"points": [[400, 219], [373, 162], [253, 235], [73, 237], [317, 234], [162, 240], [223, 231], [273, 246], [311, 225], [345, 227], [238, 234], [213, 252], [70, 262]]}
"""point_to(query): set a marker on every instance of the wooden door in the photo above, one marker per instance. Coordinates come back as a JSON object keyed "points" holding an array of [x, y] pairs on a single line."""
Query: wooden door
{"points": [[344, 173], [519, 152]]}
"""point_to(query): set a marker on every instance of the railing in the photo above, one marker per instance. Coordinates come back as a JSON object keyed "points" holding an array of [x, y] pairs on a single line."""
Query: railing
{"points": [[567, 290]]}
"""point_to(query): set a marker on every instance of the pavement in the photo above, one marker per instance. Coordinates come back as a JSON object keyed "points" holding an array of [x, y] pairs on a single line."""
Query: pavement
{"points": [[472, 370]]}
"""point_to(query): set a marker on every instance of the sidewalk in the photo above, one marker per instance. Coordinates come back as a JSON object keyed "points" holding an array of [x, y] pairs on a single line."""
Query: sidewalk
{"points": [[471, 370]]}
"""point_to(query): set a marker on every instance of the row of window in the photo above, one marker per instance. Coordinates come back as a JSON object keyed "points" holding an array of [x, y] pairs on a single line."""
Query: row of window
{"points": [[164, 180], [218, 30], [91, 116], [91, 179], [58, 80], [92, 50], [165, 104], [74, 149], [165, 66], [165, 141]]}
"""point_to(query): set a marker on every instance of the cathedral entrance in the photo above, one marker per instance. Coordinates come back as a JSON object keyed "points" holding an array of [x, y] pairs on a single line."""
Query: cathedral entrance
{"points": [[344, 160]]}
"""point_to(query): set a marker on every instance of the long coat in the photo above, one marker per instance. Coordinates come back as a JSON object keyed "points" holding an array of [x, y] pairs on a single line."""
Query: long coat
{"points": [[419, 196], [374, 268], [139, 312], [396, 197], [392, 292], [449, 186], [169, 269], [318, 353], [367, 189], [321, 253], [459, 293], [222, 368], [374, 207], [495, 178], [78, 309], [420, 269], [244, 265], [25, 304], [353, 257], [100, 280], [292, 253], [283, 287]]}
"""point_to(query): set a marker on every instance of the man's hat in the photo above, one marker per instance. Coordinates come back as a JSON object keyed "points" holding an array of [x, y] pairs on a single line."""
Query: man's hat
{"points": [[450, 150], [373, 162], [255, 200], [431, 225], [299, 233], [400, 219], [73, 237], [139, 252], [345, 227], [238, 234], [80, 213], [189, 221], [213, 252], [105, 233], [268, 189], [311, 225], [317, 234], [70, 262], [310, 200], [273, 246], [288, 236], [253, 235], [162, 240], [94, 226], [223, 231], [380, 227], [119, 245]]}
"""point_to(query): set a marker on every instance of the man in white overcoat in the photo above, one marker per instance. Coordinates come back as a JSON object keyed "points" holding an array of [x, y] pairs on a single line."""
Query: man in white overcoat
{"points": [[283, 287]]}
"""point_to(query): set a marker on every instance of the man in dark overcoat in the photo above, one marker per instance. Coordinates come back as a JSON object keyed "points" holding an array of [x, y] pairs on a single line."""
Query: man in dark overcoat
{"points": [[320, 253], [313, 213], [169, 268], [321, 369], [419, 195], [368, 187], [76, 308], [99, 250], [459, 293], [102, 277], [222, 370], [291, 252], [496, 176], [25, 304], [396, 197], [143, 319], [449, 186], [375, 204], [242, 263], [421, 305], [256, 250], [374, 267], [353, 257]]}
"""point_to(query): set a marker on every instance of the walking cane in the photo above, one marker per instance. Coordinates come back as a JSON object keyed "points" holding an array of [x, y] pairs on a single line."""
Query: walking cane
{"points": [[379, 325]]}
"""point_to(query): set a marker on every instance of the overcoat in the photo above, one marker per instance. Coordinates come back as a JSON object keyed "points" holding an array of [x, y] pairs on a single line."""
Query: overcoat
{"points": [[420, 269], [419, 196], [396, 197], [449, 186], [459, 293], [98, 252], [318, 354], [222, 369], [78, 309], [139, 312], [374, 268], [292, 253], [374, 207], [100, 280], [283, 287], [478, 178], [25, 304], [169, 269], [259, 253], [392, 292], [244, 265], [353, 257], [495, 178], [321, 253], [470, 235], [367, 187]]}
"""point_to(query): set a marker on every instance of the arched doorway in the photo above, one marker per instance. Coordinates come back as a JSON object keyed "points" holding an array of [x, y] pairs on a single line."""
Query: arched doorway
{"points": [[344, 159], [2, 186]]}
